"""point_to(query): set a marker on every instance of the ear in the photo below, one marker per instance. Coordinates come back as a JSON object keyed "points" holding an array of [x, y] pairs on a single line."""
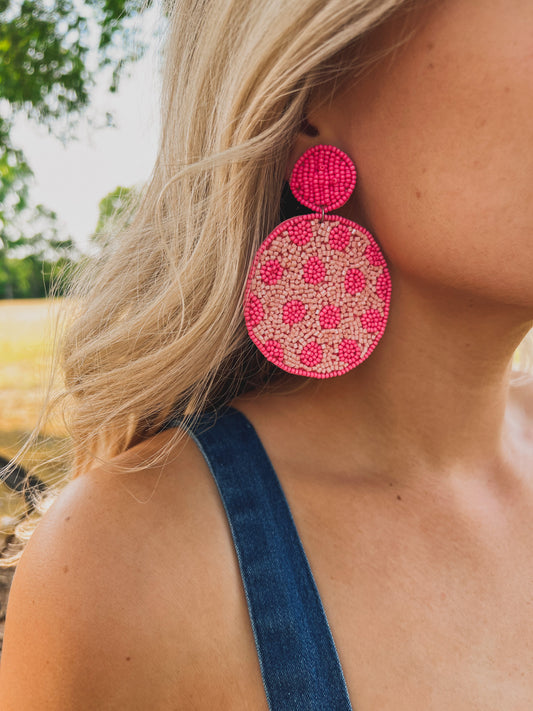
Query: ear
{"points": [[314, 129]]}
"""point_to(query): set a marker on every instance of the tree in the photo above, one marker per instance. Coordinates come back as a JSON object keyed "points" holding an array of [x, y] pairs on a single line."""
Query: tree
{"points": [[50, 56], [112, 209], [45, 257]]}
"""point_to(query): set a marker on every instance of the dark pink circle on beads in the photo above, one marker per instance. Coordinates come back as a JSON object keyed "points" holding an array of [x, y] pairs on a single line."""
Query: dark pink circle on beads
{"points": [[293, 311], [323, 177]]}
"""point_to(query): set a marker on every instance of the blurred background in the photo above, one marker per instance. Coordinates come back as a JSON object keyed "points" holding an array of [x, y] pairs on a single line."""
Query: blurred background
{"points": [[79, 125]]}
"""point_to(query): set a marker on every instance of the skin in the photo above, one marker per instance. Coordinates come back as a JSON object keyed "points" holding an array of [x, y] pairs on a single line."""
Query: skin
{"points": [[443, 140], [424, 453], [409, 478]]}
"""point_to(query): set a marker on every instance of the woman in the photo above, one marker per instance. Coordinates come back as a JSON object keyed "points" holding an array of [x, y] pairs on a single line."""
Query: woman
{"points": [[408, 477]]}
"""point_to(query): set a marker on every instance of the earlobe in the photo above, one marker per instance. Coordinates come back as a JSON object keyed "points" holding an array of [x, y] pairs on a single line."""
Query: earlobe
{"points": [[315, 128], [309, 129]]}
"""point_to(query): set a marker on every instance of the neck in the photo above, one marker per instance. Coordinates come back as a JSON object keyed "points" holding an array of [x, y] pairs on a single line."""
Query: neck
{"points": [[433, 396]]}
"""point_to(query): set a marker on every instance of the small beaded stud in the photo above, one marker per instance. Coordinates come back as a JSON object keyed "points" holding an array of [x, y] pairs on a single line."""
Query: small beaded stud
{"points": [[318, 291]]}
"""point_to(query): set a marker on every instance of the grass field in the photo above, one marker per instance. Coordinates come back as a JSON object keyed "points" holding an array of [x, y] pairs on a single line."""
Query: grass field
{"points": [[26, 328]]}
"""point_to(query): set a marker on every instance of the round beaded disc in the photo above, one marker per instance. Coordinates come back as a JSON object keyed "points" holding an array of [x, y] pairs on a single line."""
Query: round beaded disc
{"points": [[317, 296], [323, 177]]}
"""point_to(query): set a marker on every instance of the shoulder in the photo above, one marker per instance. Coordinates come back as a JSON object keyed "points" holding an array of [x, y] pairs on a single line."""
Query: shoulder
{"points": [[119, 586]]}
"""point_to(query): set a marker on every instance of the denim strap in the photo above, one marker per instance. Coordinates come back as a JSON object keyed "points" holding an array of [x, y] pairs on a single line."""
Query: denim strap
{"points": [[297, 655]]}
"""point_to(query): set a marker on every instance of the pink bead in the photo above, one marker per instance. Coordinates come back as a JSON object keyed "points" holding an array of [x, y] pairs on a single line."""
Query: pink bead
{"points": [[311, 354], [383, 286], [349, 352], [374, 255], [372, 320], [323, 177], [339, 237], [271, 271], [330, 316], [299, 232], [254, 312], [293, 311], [274, 351], [354, 281], [314, 270]]}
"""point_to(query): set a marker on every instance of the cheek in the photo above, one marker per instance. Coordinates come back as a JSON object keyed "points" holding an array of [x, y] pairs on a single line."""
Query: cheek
{"points": [[444, 150]]}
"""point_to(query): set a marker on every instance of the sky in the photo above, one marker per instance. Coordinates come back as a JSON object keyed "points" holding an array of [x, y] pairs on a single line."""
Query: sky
{"points": [[71, 179]]}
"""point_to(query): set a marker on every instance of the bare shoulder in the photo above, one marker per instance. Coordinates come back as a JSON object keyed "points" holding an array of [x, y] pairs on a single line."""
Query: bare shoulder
{"points": [[118, 598]]}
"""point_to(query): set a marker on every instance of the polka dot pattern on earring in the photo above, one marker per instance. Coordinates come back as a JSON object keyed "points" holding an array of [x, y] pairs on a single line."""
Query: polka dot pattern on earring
{"points": [[271, 271], [318, 292], [314, 270], [355, 281], [311, 354], [330, 316], [294, 311], [314, 309]]}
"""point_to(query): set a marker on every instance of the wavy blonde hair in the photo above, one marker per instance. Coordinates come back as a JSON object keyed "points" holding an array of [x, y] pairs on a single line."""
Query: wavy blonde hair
{"points": [[155, 322]]}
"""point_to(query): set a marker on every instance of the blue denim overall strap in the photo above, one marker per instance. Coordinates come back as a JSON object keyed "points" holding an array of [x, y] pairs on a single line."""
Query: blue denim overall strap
{"points": [[297, 655]]}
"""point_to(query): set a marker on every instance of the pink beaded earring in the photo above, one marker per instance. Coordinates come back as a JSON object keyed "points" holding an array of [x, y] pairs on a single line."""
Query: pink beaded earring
{"points": [[318, 292]]}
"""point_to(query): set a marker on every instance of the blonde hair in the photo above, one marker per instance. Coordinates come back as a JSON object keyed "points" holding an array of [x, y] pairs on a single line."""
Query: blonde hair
{"points": [[157, 324]]}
